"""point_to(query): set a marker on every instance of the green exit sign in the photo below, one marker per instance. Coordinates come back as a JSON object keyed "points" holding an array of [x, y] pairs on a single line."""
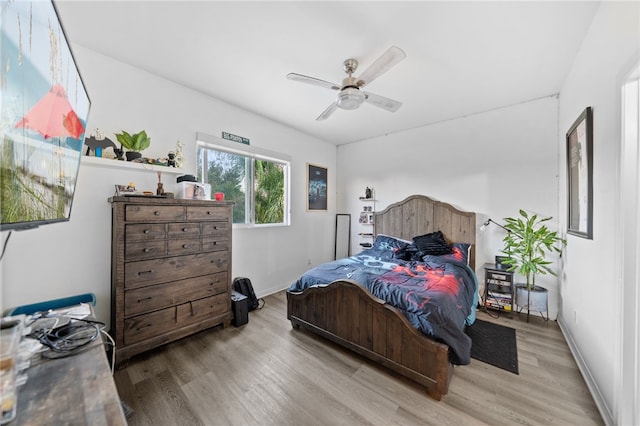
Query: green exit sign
{"points": [[235, 138]]}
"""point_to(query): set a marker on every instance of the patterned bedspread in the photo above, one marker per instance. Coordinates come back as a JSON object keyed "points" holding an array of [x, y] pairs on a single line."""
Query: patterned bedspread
{"points": [[438, 295]]}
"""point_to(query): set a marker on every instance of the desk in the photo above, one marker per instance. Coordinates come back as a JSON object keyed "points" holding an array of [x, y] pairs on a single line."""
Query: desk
{"points": [[75, 390]]}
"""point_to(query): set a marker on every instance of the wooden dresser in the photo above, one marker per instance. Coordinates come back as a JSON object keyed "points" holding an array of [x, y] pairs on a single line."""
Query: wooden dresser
{"points": [[170, 270]]}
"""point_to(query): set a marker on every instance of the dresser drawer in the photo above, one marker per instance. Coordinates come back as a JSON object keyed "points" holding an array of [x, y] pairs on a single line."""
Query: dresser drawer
{"points": [[152, 213], [145, 250], [183, 246], [207, 213], [144, 232], [212, 229], [147, 299], [156, 323], [184, 230], [147, 272], [215, 244], [150, 325], [208, 307]]}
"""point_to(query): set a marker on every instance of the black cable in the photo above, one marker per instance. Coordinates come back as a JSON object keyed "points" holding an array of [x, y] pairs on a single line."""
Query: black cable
{"points": [[4, 247], [69, 339]]}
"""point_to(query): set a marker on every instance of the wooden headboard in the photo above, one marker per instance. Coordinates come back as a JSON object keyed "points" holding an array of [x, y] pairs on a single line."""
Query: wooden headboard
{"points": [[418, 215]]}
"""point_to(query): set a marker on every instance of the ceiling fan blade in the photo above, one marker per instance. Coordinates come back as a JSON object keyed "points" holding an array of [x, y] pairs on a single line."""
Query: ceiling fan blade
{"points": [[311, 80], [327, 112], [382, 102], [381, 65]]}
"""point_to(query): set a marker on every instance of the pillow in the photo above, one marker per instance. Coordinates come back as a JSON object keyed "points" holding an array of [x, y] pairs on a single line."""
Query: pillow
{"points": [[432, 243], [386, 242], [459, 252], [408, 252]]}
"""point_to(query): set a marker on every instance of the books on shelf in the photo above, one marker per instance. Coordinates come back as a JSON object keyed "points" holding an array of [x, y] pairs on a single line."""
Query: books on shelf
{"points": [[497, 305], [497, 300]]}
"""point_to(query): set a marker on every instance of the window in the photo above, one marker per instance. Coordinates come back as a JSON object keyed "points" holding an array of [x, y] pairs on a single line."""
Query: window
{"points": [[255, 179]]}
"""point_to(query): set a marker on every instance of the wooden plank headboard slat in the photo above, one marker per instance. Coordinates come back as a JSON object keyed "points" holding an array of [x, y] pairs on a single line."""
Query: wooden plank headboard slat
{"points": [[419, 214]]}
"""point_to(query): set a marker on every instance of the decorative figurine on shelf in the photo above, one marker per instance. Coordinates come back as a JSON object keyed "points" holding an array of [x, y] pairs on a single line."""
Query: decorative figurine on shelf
{"points": [[119, 152], [368, 193], [171, 161], [97, 143]]}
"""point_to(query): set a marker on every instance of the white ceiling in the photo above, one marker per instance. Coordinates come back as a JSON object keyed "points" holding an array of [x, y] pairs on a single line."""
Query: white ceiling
{"points": [[462, 57]]}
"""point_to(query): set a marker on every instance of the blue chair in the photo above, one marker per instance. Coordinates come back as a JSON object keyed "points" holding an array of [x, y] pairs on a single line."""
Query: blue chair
{"points": [[53, 304]]}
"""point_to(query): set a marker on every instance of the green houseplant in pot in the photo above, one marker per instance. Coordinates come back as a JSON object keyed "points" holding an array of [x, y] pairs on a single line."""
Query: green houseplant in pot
{"points": [[134, 143], [527, 243]]}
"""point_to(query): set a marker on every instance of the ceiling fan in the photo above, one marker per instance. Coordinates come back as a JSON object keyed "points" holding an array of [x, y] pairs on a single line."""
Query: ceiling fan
{"points": [[350, 96]]}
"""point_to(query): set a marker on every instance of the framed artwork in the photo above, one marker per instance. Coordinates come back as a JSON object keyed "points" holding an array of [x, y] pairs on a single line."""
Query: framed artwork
{"points": [[580, 176], [316, 188]]}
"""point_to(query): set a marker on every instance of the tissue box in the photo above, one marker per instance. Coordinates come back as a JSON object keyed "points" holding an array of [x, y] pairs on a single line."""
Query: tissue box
{"points": [[193, 191]]}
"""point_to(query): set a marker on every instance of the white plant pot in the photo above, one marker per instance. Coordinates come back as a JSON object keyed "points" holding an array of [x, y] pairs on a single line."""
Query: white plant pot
{"points": [[535, 300]]}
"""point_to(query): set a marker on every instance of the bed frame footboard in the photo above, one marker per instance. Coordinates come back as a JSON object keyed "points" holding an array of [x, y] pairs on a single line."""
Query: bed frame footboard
{"points": [[350, 316]]}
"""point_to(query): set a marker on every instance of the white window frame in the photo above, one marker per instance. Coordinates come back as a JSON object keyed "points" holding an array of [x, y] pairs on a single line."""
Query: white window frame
{"points": [[206, 141]]}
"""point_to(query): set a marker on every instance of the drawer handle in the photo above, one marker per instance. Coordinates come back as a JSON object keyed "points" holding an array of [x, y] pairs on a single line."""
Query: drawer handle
{"points": [[146, 231], [144, 326], [185, 229], [157, 213], [150, 271], [147, 250], [208, 212], [144, 299], [215, 228], [215, 243], [184, 246]]}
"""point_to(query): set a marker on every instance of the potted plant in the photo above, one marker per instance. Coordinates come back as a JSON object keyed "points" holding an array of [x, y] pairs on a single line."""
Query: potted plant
{"points": [[134, 143], [527, 243]]}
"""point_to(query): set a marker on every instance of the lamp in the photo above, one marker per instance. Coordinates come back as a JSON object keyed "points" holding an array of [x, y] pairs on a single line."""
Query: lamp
{"points": [[350, 98], [484, 227], [489, 222]]}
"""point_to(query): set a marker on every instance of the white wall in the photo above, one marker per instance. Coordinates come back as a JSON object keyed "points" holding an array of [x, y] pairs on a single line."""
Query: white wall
{"points": [[591, 288], [493, 163], [69, 258]]}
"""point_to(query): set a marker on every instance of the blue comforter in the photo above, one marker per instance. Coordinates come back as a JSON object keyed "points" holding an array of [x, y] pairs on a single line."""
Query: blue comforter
{"points": [[438, 295]]}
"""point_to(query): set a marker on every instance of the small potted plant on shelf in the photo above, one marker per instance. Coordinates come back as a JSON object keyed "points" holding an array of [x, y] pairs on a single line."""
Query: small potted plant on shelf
{"points": [[134, 143], [527, 244]]}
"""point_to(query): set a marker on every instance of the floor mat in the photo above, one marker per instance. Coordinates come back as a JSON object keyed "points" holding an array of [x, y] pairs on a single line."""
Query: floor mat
{"points": [[494, 344]]}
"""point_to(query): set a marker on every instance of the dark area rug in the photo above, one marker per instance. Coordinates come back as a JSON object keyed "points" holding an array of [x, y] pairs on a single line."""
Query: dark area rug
{"points": [[494, 344]]}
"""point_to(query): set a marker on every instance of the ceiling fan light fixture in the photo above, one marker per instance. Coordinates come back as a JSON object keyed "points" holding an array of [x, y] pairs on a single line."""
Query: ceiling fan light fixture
{"points": [[350, 98]]}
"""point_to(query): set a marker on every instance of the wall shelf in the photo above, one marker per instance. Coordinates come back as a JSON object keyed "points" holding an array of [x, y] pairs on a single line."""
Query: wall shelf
{"points": [[111, 163]]}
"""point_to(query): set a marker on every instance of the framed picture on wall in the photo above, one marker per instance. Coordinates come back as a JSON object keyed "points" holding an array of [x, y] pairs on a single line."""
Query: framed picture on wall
{"points": [[580, 176], [316, 188]]}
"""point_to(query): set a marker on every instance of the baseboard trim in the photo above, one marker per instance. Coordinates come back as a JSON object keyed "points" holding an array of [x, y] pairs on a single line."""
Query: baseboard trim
{"points": [[598, 398]]}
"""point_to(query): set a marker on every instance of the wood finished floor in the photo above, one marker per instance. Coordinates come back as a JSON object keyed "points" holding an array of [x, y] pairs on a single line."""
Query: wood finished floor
{"points": [[266, 373]]}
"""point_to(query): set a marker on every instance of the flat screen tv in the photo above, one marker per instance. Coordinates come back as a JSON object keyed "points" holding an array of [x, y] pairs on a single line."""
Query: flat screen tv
{"points": [[44, 112]]}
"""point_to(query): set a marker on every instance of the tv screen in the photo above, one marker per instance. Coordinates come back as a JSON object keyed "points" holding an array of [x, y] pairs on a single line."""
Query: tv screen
{"points": [[44, 112]]}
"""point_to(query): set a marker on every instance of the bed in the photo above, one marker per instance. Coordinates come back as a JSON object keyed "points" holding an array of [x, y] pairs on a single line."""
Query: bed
{"points": [[351, 310]]}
